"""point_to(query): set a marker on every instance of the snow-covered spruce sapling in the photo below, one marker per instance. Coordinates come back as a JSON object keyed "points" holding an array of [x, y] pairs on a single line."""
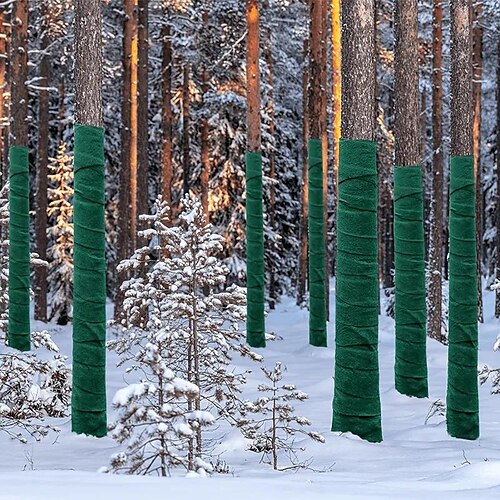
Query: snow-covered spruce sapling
{"points": [[60, 233], [180, 316], [33, 389], [271, 424]]}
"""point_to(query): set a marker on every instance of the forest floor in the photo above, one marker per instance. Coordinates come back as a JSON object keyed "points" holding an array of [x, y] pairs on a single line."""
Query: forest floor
{"points": [[415, 461]]}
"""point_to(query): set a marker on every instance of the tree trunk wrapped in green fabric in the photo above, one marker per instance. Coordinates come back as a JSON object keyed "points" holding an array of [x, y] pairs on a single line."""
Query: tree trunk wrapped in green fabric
{"points": [[317, 290], [256, 328], [356, 403], [19, 250], [410, 307], [462, 413], [89, 311]]}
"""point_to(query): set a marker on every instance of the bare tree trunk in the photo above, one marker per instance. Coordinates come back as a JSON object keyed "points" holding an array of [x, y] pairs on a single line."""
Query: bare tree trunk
{"points": [[205, 153], [315, 70], [358, 83], [41, 183], [133, 152], [166, 157], [124, 209], [477, 68], [19, 74], [436, 240], [142, 110], [7, 96], [337, 87], [186, 118], [273, 293], [302, 278], [3, 69], [253, 78], [406, 91], [324, 144], [497, 214]]}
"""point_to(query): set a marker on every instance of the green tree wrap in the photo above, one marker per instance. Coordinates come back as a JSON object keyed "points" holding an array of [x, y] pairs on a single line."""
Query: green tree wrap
{"points": [[410, 311], [19, 251], [89, 310], [256, 327], [356, 403], [462, 413], [317, 290]]}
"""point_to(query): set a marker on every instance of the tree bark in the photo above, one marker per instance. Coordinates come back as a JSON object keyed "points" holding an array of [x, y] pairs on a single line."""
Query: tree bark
{"points": [[462, 111], [142, 110], [337, 87], [124, 193], [497, 214], [253, 78], [303, 263], [41, 183], [166, 157], [406, 89], [205, 152], [436, 238], [19, 74], [186, 118], [358, 84], [316, 71], [3, 68], [477, 68]]}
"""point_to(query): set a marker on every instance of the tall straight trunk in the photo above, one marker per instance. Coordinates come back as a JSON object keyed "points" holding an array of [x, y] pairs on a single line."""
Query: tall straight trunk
{"points": [[3, 80], [205, 152], [256, 269], [133, 152], [273, 293], [19, 74], [88, 414], [166, 155], [41, 184], [302, 276], [124, 191], [337, 87], [6, 94], [436, 237], [142, 109], [497, 214], [477, 68], [324, 144], [186, 118]]}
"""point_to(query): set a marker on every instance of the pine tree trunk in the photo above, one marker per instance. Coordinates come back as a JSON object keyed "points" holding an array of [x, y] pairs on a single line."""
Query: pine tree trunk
{"points": [[7, 96], [436, 237], [133, 152], [337, 87], [124, 219], [166, 156], [19, 74], [205, 152], [303, 261], [3, 68], [186, 118], [41, 185], [497, 214], [273, 293], [142, 111], [477, 68], [324, 146]]}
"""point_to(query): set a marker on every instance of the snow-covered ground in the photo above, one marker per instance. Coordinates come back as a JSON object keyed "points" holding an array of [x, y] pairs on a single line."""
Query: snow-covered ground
{"points": [[415, 461]]}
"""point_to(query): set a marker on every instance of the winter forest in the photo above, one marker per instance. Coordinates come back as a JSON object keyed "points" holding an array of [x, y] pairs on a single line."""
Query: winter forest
{"points": [[249, 248]]}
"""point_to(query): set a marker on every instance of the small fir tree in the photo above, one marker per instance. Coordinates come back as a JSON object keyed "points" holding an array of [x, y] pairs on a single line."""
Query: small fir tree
{"points": [[276, 426], [179, 318], [60, 212]]}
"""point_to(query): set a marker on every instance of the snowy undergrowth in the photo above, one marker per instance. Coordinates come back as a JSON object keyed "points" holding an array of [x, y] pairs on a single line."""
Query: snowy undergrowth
{"points": [[415, 461]]}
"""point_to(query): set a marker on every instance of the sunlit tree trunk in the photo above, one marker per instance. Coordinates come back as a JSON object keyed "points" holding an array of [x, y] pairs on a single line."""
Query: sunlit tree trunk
{"points": [[166, 156], [186, 118]]}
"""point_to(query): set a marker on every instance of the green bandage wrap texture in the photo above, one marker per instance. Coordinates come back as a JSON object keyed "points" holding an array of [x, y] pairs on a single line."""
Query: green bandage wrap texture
{"points": [[317, 291], [462, 413], [256, 328], [89, 323], [19, 250], [411, 361], [356, 402]]}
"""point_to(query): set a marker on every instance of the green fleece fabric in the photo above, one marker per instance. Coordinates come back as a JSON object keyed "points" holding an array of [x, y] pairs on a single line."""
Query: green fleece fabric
{"points": [[410, 308], [19, 331], [317, 290], [356, 403], [256, 326], [462, 414], [89, 310]]}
